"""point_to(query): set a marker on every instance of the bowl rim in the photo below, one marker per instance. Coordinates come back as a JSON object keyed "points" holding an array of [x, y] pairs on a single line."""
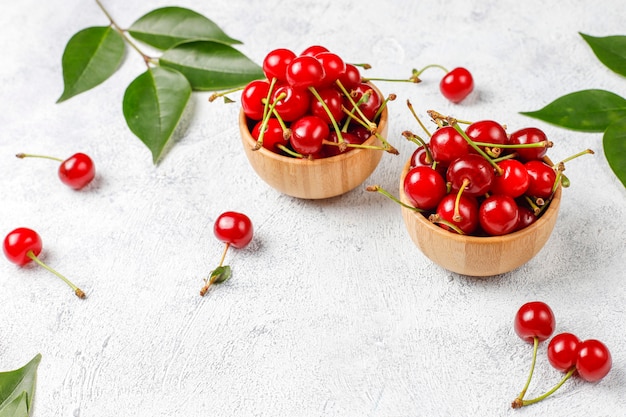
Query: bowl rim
{"points": [[381, 126], [552, 210]]}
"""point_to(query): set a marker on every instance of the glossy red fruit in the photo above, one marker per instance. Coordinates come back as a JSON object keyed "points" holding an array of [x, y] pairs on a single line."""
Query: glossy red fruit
{"points": [[467, 221], [370, 106], [513, 181], [526, 136], [424, 187], [457, 84], [446, 145], [350, 78], [77, 171], [19, 242], [333, 100], [526, 217], [594, 360], [534, 319], [487, 131], [294, 103], [252, 98], [498, 215], [273, 136], [307, 135], [542, 178], [304, 72], [331, 150], [275, 63], [313, 50], [563, 351], [333, 66], [471, 171], [233, 228]]}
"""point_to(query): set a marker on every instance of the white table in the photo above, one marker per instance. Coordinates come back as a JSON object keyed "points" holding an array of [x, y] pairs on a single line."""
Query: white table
{"points": [[331, 311]]}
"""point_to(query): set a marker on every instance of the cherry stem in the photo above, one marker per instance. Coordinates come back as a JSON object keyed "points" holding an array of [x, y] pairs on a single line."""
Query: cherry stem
{"points": [[457, 214], [214, 277], [417, 73], [521, 395], [477, 148], [518, 403], [386, 145], [266, 118], [435, 218], [330, 116], [371, 125], [79, 293], [215, 96], [289, 151], [390, 97], [27, 155], [381, 190], [542, 144], [410, 106]]}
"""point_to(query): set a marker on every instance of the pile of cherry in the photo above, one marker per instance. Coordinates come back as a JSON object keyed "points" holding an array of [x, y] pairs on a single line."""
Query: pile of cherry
{"points": [[480, 180], [589, 359], [312, 105]]}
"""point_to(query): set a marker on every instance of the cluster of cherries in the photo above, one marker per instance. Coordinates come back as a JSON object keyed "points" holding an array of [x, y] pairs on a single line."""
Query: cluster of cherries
{"points": [[480, 180], [312, 105], [589, 359]]}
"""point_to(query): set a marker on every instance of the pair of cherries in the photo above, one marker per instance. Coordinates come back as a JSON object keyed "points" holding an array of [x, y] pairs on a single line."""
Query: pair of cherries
{"points": [[589, 359], [23, 245]]}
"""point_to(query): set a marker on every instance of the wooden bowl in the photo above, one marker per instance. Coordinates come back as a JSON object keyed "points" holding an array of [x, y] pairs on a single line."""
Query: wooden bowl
{"points": [[476, 255], [314, 179]]}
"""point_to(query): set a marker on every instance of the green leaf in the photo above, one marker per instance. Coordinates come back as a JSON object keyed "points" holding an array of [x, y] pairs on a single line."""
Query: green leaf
{"points": [[221, 274], [587, 110], [610, 50], [153, 105], [163, 28], [91, 56], [18, 386], [614, 144], [211, 66], [17, 408]]}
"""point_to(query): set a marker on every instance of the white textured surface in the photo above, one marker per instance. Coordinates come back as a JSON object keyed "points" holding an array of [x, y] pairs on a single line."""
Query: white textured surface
{"points": [[331, 310]]}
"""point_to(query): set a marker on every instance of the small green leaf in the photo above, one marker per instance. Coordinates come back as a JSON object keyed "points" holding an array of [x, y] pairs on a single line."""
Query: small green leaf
{"points": [[168, 26], [153, 105], [17, 386], [610, 50], [221, 274], [587, 110], [614, 144], [211, 66], [91, 56]]}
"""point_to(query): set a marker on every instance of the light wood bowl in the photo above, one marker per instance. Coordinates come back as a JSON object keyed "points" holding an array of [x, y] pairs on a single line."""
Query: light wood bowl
{"points": [[476, 255], [314, 179]]}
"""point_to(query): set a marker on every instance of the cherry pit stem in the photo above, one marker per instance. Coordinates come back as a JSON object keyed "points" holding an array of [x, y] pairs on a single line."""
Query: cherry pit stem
{"points": [[79, 293]]}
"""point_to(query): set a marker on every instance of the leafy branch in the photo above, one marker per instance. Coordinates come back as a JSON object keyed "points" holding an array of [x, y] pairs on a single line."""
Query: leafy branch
{"points": [[596, 110], [195, 55]]}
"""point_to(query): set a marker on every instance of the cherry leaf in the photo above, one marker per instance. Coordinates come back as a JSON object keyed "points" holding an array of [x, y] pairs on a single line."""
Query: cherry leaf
{"points": [[211, 66], [610, 50], [168, 26], [586, 110], [17, 389], [153, 105], [221, 274], [91, 56], [614, 144]]}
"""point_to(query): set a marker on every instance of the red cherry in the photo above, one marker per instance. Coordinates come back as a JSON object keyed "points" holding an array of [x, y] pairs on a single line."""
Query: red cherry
{"points": [[334, 102], [276, 62], [273, 136], [534, 319], [350, 78], [305, 71], [487, 131], [332, 150], [472, 172], [424, 187], [563, 351], [541, 178], [252, 98], [76, 172], [526, 136], [513, 181], [293, 105], [463, 215], [307, 135], [234, 229], [457, 84], [333, 66], [594, 360], [526, 217], [360, 131], [313, 50], [369, 107], [23, 245], [446, 145], [498, 215], [19, 243]]}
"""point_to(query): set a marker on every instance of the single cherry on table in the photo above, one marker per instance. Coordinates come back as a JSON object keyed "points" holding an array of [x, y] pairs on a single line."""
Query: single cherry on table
{"points": [[76, 172], [23, 245], [234, 229]]}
